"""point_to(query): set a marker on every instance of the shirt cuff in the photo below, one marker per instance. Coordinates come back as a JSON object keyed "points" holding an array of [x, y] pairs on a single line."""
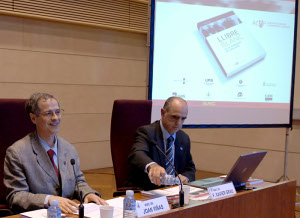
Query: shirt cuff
{"points": [[146, 167], [46, 204]]}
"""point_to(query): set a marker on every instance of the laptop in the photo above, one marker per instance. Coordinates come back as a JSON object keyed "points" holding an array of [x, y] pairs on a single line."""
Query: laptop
{"points": [[239, 173]]}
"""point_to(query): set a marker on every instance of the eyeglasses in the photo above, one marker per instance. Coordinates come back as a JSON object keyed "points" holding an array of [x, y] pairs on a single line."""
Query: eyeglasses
{"points": [[49, 114]]}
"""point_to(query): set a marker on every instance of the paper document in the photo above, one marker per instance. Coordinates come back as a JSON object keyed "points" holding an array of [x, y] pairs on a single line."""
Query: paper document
{"points": [[168, 191], [92, 210]]}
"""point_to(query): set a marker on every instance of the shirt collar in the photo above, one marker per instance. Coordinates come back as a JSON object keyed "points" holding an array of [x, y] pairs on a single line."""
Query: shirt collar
{"points": [[165, 133], [46, 146]]}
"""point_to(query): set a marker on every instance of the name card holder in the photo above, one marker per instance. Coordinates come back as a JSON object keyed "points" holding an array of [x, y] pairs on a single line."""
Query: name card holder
{"points": [[152, 206], [221, 190]]}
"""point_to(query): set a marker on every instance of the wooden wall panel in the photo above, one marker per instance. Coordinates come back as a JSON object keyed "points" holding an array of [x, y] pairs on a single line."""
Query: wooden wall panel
{"points": [[124, 15], [71, 69], [94, 155], [294, 140], [76, 98], [263, 138], [78, 128]]}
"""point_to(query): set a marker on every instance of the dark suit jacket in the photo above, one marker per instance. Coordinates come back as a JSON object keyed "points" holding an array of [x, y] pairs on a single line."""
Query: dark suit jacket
{"points": [[144, 151], [29, 175]]}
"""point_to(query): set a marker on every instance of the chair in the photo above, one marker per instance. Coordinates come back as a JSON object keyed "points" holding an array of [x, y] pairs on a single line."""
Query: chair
{"points": [[127, 117], [14, 125]]}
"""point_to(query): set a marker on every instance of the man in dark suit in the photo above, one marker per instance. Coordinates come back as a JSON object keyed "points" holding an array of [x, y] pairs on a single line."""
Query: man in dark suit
{"points": [[148, 165], [37, 168]]}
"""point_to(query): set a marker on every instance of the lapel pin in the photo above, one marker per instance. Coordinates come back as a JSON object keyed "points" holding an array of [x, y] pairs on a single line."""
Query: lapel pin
{"points": [[181, 148]]}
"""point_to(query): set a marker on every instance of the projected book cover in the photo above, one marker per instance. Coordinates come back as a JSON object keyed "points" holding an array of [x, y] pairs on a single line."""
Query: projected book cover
{"points": [[233, 46]]}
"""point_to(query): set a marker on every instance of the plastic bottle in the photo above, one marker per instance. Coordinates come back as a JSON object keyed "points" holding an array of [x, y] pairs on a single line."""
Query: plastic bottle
{"points": [[54, 210], [129, 205], [170, 180]]}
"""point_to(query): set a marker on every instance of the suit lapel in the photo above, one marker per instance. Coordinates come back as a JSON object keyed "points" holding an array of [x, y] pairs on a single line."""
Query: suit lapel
{"points": [[178, 150], [160, 143], [43, 159], [62, 158]]}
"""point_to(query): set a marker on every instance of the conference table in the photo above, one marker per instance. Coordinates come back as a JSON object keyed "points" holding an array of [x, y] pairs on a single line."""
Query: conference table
{"points": [[267, 200]]}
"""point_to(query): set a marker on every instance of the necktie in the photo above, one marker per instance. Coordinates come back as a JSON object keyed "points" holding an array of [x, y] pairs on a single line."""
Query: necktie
{"points": [[51, 153], [170, 156]]}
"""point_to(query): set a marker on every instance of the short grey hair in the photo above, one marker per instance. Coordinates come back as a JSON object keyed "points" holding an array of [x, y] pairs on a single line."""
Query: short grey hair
{"points": [[32, 104]]}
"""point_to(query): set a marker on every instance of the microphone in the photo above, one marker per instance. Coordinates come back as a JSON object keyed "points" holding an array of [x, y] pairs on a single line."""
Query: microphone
{"points": [[181, 192], [81, 207]]}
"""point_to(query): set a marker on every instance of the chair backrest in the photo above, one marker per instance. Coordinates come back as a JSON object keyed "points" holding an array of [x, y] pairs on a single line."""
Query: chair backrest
{"points": [[14, 125], [127, 117]]}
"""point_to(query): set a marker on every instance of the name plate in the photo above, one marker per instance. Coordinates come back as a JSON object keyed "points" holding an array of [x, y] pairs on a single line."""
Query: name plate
{"points": [[152, 206], [221, 190]]}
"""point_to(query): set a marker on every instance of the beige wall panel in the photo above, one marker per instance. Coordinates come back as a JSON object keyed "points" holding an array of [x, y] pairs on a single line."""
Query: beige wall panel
{"points": [[113, 43], [263, 138], [293, 167], [94, 155], [77, 128], [11, 35], [76, 98], [66, 38], [36, 67], [220, 159], [294, 140], [46, 36]]}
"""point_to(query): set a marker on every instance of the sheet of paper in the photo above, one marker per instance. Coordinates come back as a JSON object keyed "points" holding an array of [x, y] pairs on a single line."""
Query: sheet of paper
{"points": [[92, 210], [169, 191]]}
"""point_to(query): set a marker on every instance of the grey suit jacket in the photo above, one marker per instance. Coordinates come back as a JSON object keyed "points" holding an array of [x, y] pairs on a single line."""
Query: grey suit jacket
{"points": [[29, 175]]}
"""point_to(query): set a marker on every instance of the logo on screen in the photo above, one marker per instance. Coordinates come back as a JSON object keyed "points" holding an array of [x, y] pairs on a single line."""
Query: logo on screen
{"points": [[259, 23], [209, 81], [268, 97]]}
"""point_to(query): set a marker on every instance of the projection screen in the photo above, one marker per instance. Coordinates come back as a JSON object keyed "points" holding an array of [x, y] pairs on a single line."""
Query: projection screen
{"points": [[233, 61]]}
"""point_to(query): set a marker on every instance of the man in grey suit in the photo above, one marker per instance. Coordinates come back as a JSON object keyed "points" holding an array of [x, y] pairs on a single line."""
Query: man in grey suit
{"points": [[37, 168]]}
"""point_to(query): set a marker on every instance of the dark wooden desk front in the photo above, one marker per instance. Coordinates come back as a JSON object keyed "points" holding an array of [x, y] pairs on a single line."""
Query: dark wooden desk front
{"points": [[268, 200]]}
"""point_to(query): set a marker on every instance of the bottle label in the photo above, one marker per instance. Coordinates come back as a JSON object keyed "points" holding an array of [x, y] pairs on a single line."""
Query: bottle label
{"points": [[129, 204], [54, 214]]}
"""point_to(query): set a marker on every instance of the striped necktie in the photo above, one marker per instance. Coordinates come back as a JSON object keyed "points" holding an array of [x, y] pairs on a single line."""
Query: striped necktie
{"points": [[170, 156]]}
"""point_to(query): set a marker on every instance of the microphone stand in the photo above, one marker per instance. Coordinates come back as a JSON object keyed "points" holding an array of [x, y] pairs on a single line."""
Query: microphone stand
{"points": [[181, 192], [81, 207]]}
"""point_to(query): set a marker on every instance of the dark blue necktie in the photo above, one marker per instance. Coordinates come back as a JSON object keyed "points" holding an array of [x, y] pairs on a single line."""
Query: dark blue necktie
{"points": [[170, 156]]}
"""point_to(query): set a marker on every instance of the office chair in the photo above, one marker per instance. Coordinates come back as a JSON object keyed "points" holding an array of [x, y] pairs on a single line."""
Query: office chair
{"points": [[127, 117], [14, 125]]}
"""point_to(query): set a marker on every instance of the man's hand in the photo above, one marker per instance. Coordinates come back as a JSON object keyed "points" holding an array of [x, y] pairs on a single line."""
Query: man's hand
{"points": [[66, 205], [94, 198], [155, 172], [183, 179]]}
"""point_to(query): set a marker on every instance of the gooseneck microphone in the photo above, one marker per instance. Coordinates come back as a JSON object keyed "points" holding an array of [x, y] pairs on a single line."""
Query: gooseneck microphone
{"points": [[181, 192], [81, 207]]}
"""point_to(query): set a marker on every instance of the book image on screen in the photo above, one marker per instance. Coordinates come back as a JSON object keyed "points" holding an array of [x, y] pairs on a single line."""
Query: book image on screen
{"points": [[231, 44]]}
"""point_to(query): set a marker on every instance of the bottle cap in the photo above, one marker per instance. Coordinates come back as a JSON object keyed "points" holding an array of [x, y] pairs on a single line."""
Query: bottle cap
{"points": [[129, 193], [54, 202]]}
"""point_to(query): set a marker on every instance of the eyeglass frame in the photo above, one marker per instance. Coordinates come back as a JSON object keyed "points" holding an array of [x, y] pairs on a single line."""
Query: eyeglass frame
{"points": [[49, 114]]}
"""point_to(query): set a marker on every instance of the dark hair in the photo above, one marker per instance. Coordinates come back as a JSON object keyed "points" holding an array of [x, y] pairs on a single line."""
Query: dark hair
{"points": [[169, 101], [32, 104]]}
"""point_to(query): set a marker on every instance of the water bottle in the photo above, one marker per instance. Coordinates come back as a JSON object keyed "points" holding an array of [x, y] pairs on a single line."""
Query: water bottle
{"points": [[129, 205], [170, 180], [54, 210]]}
